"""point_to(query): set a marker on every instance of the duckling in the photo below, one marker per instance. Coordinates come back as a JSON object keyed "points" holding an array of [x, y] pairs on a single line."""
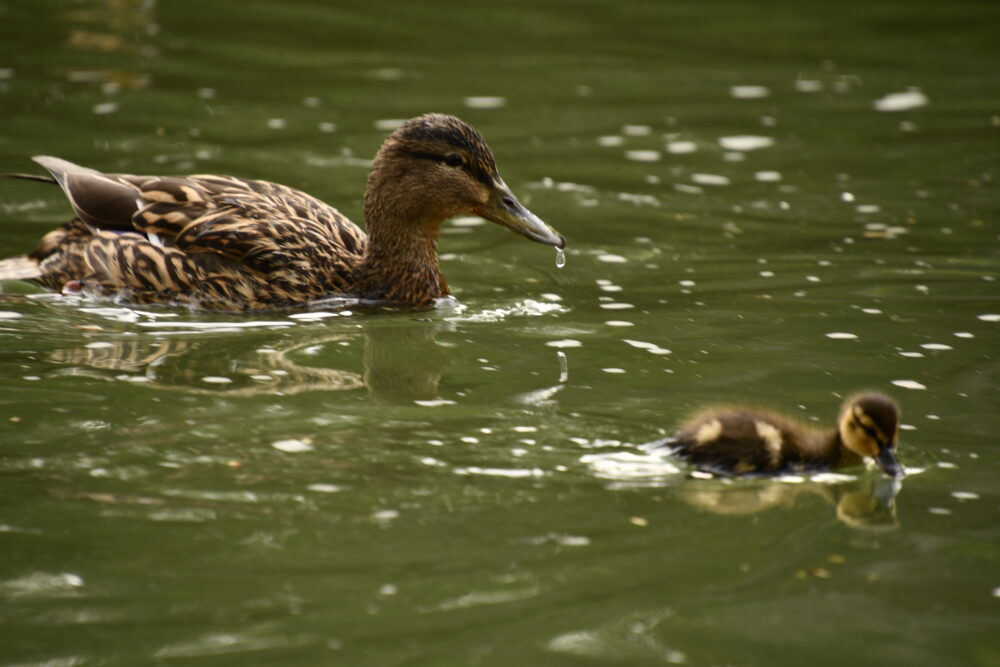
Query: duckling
{"points": [[742, 440], [232, 244]]}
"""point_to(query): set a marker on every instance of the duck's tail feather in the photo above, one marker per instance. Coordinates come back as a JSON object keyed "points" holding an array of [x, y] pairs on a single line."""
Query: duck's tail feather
{"points": [[32, 177], [19, 268], [98, 199]]}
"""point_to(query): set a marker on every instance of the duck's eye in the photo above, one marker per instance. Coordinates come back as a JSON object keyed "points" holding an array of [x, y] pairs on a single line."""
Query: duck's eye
{"points": [[453, 160]]}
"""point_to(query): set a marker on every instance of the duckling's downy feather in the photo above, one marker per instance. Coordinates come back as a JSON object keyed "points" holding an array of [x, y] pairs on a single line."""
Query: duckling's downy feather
{"points": [[742, 440]]}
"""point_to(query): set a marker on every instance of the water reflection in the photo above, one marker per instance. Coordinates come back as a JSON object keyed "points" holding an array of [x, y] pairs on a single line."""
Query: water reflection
{"points": [[403, 363], [867, 504], [399, 363], [863, 503], [120, 27], [635, 636]]}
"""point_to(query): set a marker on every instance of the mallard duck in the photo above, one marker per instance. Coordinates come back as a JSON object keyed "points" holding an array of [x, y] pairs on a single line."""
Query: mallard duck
{"points": [[226, 243], [743, 440]]}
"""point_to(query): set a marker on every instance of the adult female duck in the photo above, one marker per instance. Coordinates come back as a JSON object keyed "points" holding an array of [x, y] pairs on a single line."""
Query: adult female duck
{"points": [[231, 244]]}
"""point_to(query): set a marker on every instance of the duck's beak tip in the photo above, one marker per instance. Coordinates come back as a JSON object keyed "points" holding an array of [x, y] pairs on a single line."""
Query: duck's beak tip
{"points": [[504, 209]]}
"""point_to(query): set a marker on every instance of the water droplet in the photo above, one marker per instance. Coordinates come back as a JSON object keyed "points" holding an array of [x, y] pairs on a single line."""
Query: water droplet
{"points": [[560, 258]]}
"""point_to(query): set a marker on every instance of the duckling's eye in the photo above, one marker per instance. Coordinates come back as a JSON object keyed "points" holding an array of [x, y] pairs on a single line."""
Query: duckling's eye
{"points": [[453, 160]]}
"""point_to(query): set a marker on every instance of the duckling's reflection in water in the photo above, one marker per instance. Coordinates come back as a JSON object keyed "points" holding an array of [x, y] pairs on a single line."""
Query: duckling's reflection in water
{"points": [[400, 363], [868, 504]]}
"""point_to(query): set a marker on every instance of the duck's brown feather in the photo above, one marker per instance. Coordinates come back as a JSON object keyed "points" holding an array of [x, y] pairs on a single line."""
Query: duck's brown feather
{"points": [[220, 243], [225, 243]]}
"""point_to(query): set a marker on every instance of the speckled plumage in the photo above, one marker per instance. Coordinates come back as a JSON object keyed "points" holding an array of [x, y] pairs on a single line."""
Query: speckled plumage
{"points": [[232, 244]]}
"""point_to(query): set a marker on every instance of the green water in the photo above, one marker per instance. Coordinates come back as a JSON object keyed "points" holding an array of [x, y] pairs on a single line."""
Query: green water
{"points": [[464, 486]]}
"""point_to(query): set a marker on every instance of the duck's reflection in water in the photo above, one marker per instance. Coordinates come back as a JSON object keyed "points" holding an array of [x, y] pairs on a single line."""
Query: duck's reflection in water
{"points": [[403, 363], [867, 504], [125, 28], [398, 364]]}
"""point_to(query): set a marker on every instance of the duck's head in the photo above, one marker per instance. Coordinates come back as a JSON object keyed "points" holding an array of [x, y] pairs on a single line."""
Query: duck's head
{"points": [[869, 426], [436, 167]]}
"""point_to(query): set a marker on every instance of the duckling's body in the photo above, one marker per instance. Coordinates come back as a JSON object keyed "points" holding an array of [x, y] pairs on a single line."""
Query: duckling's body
{"points": [[226, 243], [742, 440]]}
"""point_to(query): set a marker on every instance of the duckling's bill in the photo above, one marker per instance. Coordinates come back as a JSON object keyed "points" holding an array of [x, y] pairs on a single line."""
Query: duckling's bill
{"points": [[887, 463], [504, 209]]}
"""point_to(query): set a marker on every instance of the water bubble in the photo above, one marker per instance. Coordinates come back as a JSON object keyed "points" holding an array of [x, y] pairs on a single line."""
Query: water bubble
{"points": [[681, 147], [325, 488], [808, 86], [909, 384], [611, 140], [611, 258], [637, 130], [748, 92], [292, 446], [105, 108], [434, 403], [485, 102], [710, 179], [642, 155], [389, 124], [910, 99], [560, 258], [745, 142], [565, 343]]}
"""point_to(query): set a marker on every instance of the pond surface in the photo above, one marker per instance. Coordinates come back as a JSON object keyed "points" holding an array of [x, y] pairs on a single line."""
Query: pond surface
{"points": [[762, 204]]}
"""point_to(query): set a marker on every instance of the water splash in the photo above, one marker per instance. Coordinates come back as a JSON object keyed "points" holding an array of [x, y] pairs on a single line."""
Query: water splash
{"points": [[560, 258]]}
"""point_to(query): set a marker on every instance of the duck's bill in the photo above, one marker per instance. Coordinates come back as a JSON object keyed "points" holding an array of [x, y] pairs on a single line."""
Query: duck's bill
{"points": [[887, 463], [504, 209]]}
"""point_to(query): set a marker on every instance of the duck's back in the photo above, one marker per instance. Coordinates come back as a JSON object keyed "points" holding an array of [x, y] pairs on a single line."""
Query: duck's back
{"points": [[743, 441], [217, 242]]}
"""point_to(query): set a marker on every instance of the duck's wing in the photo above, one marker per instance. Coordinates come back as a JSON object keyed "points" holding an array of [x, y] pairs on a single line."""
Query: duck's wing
{"points": [[193, 229], [264, 226]]}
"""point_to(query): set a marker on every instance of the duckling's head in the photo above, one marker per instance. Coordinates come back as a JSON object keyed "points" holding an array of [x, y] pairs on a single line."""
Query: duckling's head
{"points": [[869, 426], [435, 167]]}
